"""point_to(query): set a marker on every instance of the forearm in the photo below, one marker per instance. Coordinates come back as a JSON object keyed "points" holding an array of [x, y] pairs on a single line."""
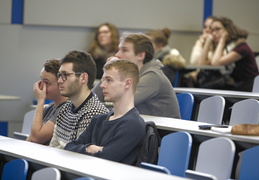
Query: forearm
{"points": [[79, 145], [37, 122], [218, 53], [203, 60], [196, 52], [74, 147]]}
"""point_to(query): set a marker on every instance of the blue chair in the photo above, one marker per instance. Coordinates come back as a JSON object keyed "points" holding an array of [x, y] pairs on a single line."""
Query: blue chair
{"points": [[249, 164], [174, 153], [155, 168], [84, 178], [186, 102], [15, 169]]}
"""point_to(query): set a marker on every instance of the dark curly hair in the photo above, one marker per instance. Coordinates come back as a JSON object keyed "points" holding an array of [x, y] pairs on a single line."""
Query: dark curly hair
{"points": [[234, 32]]}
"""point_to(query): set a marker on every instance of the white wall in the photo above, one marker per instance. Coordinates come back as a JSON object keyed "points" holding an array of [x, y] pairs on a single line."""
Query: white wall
{"points": [[23, 50]]}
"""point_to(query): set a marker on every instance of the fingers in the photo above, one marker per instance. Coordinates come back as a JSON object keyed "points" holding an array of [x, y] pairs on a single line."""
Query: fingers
{"points": [[112, 58]]}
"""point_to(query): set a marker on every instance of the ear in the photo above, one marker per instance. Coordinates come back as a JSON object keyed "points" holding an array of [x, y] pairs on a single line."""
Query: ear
{"points": [[84, 77], [141, 56], [128, 83]]}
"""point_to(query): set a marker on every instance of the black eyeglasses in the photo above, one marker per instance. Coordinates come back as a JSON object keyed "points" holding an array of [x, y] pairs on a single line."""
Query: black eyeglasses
{"points": [[64, 75]]}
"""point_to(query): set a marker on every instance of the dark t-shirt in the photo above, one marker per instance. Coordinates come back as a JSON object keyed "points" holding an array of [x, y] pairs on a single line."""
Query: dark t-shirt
{"points": [[246, 68]]}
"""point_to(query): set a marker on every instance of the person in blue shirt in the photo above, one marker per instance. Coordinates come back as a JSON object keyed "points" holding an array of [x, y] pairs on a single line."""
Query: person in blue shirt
{"points": [[118, 135]]}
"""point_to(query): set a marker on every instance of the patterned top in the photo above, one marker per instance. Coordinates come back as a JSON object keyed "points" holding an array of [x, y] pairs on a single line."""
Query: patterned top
{"points": [[72, 122], [50, 112]]}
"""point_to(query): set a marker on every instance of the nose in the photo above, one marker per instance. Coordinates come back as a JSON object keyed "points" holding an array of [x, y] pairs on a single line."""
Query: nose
{"points": [[60, 80], [102, 84], [118, 55]]}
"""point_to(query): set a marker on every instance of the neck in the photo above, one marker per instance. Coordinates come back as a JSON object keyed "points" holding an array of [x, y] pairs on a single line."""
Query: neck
{"points": [[59, 100], [140, 65], [107, 47], [122, 107], [79, 98]]}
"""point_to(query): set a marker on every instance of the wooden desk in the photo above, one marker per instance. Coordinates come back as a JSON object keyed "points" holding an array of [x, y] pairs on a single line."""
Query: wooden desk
{"points": [[75, 163], [213, 92], [5, 97], [192, 127]]}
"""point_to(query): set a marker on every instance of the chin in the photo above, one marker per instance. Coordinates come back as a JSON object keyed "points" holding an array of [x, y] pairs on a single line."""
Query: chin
{"points": [[64, 94], [107, 99]]}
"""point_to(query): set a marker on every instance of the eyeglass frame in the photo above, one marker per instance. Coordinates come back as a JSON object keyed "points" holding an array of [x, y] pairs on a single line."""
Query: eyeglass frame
{"points": [[64, 75], [217, 29]]}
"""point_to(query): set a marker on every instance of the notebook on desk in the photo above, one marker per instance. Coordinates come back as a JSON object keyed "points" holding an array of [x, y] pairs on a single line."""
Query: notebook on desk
{"points": [[21, 136], [222, 130]]}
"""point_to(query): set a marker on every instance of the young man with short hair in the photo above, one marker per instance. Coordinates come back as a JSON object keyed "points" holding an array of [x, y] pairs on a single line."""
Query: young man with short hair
{"points": [[76, 76], [155, 95], [45, 116], [118, 135]]}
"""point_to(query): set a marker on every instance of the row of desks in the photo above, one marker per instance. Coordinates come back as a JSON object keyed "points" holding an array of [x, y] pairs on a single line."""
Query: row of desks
{"points": [[231, 98], [83, 165], [223, 93], [169, 125], [6, 97], [192, 127], [75, 163]]}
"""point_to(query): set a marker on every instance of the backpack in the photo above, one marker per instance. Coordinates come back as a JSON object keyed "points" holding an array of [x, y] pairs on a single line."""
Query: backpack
{"points": [[150, 144]]}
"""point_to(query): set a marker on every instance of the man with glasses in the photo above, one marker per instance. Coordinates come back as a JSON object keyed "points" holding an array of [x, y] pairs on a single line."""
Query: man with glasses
{"points": [[118, 135], [76, 77]]}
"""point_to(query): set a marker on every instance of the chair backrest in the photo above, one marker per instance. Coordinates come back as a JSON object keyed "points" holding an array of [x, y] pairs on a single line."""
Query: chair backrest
{"points": [[256, 84], [26, 126], [211, 110], [150, 144], [175, 152], [199, 175], [215, 157], [27, 122], [49, 173], [154, 167], [186, 102], [84, 178], [250, 164], [257, 60], [15, 169], [245, 112]]}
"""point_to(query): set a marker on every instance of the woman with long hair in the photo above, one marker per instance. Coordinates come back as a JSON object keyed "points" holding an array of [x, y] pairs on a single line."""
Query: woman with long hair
{"points": [[105, 45], [231, 48]]}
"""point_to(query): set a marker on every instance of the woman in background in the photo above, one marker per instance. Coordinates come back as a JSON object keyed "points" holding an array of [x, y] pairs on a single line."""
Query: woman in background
{"points": [[160, 39], [170, 57], [105, 45], [199, 44], [231, 48]]}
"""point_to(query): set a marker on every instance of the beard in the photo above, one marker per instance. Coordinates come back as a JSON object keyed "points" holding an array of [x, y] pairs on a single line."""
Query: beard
{"points": [[71, 90]]}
